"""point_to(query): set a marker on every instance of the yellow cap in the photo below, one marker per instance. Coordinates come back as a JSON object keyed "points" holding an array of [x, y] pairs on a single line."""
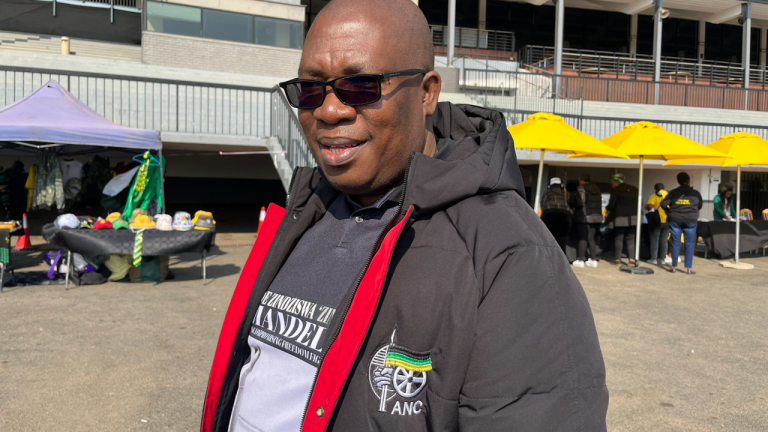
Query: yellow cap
{"points": [[143, 221]]}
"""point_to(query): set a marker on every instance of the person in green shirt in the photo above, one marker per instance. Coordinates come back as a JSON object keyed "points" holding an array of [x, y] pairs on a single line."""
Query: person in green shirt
{"points": [[725, 205]]}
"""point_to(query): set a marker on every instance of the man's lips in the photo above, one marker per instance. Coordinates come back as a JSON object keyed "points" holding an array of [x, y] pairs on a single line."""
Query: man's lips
{"points": [[338, 151]]}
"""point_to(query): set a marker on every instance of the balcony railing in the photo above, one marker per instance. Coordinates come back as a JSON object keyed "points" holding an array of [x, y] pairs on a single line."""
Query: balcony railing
{"points": [[544, 85], [475, 38], [670, 93], [641, 67], [136, 4], [163, 105], [126, 5]]}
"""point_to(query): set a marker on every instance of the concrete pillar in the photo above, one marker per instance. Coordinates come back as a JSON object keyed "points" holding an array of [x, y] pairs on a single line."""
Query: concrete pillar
{"points": [[559, 18], [763, 46], [701, 45], [657, 48], [746, 39], [481, 14], [451, 30], [633, 35]]}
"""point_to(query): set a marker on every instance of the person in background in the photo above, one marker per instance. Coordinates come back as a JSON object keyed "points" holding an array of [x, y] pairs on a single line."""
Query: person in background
{"points": [[725, 205], [657, 224], [682, 206], [588, 215], [622, 214], [555, 213]]}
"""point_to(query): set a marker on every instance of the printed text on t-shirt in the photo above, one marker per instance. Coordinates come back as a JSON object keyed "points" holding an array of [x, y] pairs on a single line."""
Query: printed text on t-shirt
{"points": [[297, 327]]}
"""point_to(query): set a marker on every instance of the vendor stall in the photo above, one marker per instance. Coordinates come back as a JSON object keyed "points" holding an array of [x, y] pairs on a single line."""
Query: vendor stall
{"points": [[720, 237], [121, 242], [51, 121]]}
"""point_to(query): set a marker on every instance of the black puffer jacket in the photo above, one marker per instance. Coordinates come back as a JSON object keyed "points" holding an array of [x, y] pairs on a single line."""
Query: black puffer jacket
{"points": [[622, 207], [475, 282], [587, 203]]}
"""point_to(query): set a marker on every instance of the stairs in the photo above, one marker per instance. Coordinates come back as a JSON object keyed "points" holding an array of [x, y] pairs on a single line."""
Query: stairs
{"points": [[80, 47]]}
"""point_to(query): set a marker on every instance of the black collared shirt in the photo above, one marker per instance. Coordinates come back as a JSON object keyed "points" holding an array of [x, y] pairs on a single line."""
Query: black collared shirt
{"points": [[290, 326]]}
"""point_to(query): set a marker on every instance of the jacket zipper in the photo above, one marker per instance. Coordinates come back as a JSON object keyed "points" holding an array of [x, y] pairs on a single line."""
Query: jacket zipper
{"points": [[357, 285]]}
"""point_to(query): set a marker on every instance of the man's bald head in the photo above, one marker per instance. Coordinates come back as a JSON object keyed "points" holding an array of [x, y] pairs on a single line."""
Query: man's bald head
{"points": [[363, 149], [404, 26]]}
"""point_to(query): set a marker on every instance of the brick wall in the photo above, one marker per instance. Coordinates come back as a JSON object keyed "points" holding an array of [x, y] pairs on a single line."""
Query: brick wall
{"points": [[221, 56]]}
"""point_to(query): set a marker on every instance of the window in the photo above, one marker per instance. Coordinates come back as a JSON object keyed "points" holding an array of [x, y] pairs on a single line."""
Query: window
{"points": [[227, 26], [277, 32], [171, 18]]}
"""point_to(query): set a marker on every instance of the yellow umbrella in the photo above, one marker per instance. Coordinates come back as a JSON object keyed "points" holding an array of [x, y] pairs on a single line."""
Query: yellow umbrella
{"points": [[646, 140], [548, 132], [740, 149]]}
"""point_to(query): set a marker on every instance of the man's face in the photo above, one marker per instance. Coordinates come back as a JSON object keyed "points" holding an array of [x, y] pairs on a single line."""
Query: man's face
{"points": [[582, 182], [614, 184], [362, 150]]}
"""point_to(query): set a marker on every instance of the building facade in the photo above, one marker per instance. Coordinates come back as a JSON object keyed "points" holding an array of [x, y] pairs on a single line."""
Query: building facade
{"points": [[203, 73]]}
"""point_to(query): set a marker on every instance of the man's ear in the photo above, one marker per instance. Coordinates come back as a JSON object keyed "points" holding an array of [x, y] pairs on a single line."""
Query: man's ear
{"points": [[430, 87]]}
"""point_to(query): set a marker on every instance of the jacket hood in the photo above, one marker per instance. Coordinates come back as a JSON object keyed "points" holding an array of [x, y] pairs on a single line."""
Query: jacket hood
{"points": [[475, 156]]}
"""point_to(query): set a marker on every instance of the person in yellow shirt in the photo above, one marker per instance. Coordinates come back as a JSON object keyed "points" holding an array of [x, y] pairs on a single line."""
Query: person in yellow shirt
{"points": [[657, 225]]}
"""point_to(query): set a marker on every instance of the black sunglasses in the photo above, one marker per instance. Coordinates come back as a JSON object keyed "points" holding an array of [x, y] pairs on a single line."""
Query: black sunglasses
{"points": [[352, 90]]}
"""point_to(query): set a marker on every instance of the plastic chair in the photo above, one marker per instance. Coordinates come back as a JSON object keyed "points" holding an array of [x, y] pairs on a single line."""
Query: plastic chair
{"points": [[747, 213]]}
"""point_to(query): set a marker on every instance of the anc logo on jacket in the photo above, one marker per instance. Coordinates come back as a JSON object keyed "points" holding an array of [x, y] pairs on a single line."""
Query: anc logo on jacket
{"points": [[398, 371]]}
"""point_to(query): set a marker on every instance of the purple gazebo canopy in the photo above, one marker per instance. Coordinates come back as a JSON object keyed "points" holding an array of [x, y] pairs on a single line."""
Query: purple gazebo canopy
{"points": [[53, 115]]}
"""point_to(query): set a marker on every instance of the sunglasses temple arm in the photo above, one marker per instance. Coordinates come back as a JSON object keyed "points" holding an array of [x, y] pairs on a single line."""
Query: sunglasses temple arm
{"points": [[403, 73]]}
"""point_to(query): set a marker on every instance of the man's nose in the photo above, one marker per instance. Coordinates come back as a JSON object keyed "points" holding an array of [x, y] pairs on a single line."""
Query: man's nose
{"points": [[332, 110]]}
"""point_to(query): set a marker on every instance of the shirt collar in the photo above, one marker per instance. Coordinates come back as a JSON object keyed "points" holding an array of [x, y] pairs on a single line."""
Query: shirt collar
{"points": [[393, 196]]}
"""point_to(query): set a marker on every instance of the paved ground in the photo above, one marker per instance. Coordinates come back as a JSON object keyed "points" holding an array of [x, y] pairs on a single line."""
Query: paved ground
{"points": [[683, 353]]}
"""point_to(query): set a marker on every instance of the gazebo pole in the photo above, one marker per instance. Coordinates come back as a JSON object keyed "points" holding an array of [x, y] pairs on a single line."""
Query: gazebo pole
{"points": [[537, 201], [738, 209], [164, 206], [639, 213]]}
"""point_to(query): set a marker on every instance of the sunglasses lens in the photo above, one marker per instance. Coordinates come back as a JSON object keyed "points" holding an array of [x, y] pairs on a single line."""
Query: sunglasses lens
{"points": [[305, 94], [358, 90]]}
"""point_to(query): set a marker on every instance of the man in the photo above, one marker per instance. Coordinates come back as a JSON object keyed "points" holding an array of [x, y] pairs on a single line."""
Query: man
{"points": [[587, 204], [407, 285], [682, 206], [622, 208], [555, 213], [657, 225]]}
